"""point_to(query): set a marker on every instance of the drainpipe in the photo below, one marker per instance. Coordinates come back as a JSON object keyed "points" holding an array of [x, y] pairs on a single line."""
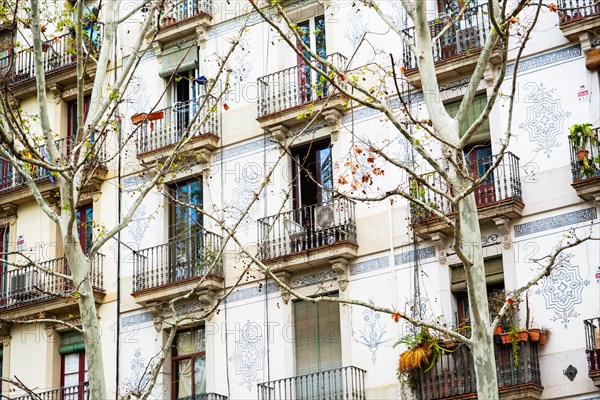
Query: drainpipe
{"points": [[120, 193]]}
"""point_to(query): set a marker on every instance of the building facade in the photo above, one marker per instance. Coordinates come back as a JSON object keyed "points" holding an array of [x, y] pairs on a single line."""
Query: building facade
{"points": [[253, 164]]}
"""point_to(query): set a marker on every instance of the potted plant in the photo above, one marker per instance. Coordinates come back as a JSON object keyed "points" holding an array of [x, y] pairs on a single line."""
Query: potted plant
{"points": [[156, 115], [544, 333], [582, 135]]}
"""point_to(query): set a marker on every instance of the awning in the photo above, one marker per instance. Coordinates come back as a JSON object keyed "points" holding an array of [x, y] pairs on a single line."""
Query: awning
{"points": [[178, 58]]}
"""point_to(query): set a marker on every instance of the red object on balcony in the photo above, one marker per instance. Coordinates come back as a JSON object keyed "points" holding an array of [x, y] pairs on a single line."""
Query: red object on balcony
{"points": [[156, 115]]}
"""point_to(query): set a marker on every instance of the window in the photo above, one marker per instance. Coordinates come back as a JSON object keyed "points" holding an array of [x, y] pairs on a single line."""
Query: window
{"points": [[313, 37], [479, 103], [494, 277], [189, 364], [312, 174], [185, 106], [186, 230], [4, 237], [318, 347], [73, 365], [85, 219]]}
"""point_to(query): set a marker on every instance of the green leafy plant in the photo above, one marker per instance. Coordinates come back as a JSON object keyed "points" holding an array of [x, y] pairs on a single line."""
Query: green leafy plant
{"points": [[582, 135]]}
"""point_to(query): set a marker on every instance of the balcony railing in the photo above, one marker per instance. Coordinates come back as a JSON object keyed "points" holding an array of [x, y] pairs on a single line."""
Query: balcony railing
{"points": [[293, 87], [465, 35], [307, 228], [30, 284], [58, 53], [166, 127], [577, 165], [573, 10], [79, 392], [453, 375], [186, 9], [592, 343], [504, 183], [11, 180], [347, 383], [178, 260]]}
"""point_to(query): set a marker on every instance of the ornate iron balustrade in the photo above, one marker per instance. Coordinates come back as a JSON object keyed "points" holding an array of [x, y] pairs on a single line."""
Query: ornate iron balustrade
{"points": [[466, 34], [307, 228], [573, 10], [58, 53], [178, 260], [11, 180], [79, 392], [209, 396], [30, 284], [592, 343], [504, 183], [185, 9], [167, 127], [347, 383], [293, 87], [592, 153], [454, 374]]}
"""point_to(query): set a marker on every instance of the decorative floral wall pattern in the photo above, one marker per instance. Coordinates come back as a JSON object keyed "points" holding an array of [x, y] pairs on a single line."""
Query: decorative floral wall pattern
{"points": [[545, 118], [563, 290], [139, 378], [372, 333]]}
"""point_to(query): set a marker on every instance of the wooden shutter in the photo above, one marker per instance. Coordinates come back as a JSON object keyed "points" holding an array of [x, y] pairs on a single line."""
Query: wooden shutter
{"points": [[318, 344], [494, 274], [479, 103]]}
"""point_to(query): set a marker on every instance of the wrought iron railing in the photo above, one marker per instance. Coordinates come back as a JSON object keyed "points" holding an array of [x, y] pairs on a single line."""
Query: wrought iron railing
{"points": [[78, 392], [454, 374], [208, 396], [503, 183], [573, 10], [592, 343], [307, 228], [32, 284], [590, 154], [178, 260], [167, 127], [58, 53], [294, 86], [11, 180], [347, 383], [465, 35], [186, 9]]}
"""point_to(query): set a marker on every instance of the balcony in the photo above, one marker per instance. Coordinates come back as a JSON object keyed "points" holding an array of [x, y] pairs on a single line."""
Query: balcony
{"points": [[13, 189], [286, 94], [170, 269], [592, 348], [28, 291], [347, 383], [79, 392], [161, 130], [454, 374], [310, 236], [586, 179], [59, 60], [188, 17], [456, 52], [578, 16], [499, 196]]}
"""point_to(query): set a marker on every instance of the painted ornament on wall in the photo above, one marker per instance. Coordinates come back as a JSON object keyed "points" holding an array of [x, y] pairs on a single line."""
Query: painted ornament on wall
{"points": [[249, 355], [563, 290], [372, 333], [545, 118], [139, 377]]}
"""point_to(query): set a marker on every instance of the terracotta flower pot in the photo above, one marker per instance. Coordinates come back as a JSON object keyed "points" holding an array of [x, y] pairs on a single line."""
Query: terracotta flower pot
{"points": [[169, 21], [534, 335], [156, 115], [523, 336], [543, 338], [138, 118], [498, 330], [581, 154], [505, 338]]}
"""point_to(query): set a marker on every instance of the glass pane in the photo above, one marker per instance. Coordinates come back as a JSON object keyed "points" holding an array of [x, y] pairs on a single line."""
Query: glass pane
{"points": [[324, 160], [199, 375], [183, 383], [71, 363]]}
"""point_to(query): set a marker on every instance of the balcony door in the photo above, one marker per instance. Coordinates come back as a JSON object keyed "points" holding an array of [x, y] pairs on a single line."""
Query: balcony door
{"points": [[480, 161], [73, 123], [4, 237], [312, 32], [186, 231], [73, 366], [318, 350], [184, 93]]}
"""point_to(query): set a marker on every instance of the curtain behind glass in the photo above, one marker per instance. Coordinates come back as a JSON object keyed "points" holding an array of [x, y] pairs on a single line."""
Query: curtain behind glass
{"points": [[190, 342]]}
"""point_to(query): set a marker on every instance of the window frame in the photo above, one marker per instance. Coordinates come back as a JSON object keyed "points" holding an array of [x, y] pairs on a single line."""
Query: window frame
{"points": [[192, 356]]}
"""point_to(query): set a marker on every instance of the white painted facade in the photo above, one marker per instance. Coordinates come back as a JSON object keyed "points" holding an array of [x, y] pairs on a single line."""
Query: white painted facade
{"points": [[251, 338]]}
